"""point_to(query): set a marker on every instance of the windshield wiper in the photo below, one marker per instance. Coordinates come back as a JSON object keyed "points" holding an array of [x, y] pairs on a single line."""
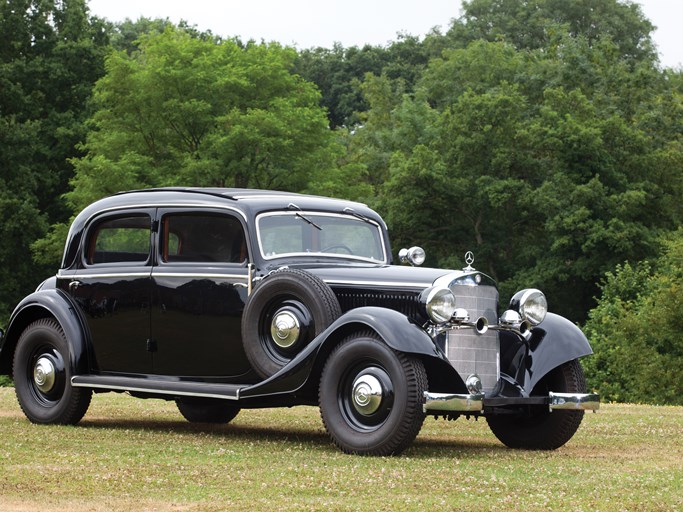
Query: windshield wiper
{"points": [[309, 221], [353, 212], [292, 206]]}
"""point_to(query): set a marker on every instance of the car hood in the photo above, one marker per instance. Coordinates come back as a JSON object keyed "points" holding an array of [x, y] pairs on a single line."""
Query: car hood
{"points": [[373, 276]]}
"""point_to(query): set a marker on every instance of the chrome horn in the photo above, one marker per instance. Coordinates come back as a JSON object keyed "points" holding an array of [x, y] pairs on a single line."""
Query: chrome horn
{"points": [[461, 318]]}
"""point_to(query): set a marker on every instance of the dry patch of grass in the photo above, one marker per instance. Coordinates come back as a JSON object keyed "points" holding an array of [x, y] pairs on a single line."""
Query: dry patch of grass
{"points": [[130, 454]]}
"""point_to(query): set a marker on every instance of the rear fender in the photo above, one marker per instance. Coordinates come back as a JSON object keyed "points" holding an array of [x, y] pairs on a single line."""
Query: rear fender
{"points": [[44, 304]]}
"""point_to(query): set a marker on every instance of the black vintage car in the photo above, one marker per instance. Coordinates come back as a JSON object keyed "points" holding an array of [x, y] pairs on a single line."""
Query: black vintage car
{"points": [[222, 299]]}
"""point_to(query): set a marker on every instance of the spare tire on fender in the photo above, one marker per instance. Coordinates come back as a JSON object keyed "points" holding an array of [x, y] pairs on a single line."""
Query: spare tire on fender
{"points": [[287, 310]]}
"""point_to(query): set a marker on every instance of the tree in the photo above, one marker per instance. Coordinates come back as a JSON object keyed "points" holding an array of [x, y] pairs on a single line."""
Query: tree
{"points": [[541, 24], [556, 158], [339, 73], [51, 53], [193, 111]]}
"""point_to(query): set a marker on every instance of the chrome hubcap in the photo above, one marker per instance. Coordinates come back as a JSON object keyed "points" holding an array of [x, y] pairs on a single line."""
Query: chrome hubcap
{"points": [[367, 394], [44, 374], [285, 329]]}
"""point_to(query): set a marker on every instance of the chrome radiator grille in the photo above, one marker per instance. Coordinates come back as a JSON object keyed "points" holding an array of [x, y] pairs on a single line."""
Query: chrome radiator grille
{"points": [[468, 351]]}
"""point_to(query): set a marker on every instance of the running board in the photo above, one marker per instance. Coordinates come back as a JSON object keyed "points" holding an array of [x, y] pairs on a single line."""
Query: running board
{"points": [[158, 386]]}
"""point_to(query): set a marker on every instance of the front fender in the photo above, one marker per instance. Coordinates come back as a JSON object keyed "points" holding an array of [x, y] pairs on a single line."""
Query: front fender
{"points": [[394, 328], [42, 304], [553, 342]]}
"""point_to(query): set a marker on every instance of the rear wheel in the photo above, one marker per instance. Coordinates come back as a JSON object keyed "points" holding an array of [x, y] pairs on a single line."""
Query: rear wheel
{"points": [[542, 429], [206, 410], [371, 396], [42, 377]]}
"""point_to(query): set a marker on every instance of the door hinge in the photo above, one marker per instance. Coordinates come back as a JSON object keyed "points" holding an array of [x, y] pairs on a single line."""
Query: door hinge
{"points": [[155, 226], [151, 345]]}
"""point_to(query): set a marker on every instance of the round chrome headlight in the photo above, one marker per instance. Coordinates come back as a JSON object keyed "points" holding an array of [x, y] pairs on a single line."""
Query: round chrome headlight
{"points": [[439, 304], [531, 304]]}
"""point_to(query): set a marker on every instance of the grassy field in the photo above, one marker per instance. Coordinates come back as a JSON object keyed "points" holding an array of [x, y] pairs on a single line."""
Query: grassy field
{"points": [[130, 454]]}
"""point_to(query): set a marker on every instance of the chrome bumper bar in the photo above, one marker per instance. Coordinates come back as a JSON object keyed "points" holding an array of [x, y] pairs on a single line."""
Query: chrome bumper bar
{"points": [[450, 402], [581, 401]]}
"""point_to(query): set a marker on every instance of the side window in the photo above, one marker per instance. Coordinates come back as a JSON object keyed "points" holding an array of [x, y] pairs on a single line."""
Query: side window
{"points": [[123, 239], [202, 237]]}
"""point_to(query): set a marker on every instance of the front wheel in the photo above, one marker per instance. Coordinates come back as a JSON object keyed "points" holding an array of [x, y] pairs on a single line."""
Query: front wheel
{"points": [[42, 377], [371, 396], [541, 429]]}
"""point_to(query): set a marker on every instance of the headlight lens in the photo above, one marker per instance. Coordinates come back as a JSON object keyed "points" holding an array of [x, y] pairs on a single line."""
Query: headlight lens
{"points": [[531, 304], [439, 303]]}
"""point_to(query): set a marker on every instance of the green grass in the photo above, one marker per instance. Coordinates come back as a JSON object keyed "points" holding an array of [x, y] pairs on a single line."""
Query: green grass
{"points": [[130, 454]]}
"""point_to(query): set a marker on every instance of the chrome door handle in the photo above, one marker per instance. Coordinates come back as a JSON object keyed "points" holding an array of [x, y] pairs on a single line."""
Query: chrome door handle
{"points": [[73, 285]]}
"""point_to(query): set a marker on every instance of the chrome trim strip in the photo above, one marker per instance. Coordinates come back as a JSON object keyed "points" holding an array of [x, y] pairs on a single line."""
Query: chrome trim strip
{"points": [[211, 276], [383, 284], [104, 276], [574, 401], [115, 387], [155, 274], [453, 402]]}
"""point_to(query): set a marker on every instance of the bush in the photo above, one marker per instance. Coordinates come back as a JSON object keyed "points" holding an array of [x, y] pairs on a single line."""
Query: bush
{"points": [[636, 332]]}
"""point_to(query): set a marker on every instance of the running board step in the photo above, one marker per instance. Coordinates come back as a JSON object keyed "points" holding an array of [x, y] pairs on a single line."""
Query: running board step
{"points": [[158, 386]]}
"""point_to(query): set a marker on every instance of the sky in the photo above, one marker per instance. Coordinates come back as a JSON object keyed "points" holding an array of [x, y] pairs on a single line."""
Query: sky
{"points": [[311, 23]]}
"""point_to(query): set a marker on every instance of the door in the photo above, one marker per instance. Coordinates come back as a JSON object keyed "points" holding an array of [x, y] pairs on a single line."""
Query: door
{"points": [[199, 292], [112, 287]]}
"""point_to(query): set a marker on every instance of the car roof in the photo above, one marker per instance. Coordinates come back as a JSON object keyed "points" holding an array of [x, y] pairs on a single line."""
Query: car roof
{"points": [[254, 199], [250, 202]]}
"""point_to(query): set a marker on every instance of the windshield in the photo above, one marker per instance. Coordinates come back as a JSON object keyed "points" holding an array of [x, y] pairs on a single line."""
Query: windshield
{"points": [[320, 234]]}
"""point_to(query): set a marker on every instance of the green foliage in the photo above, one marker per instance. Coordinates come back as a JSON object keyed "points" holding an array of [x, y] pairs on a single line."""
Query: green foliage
{"points": [[536, 24], [635, 331], [555, 151], [188, 111], [339, 72], [51, 53]]}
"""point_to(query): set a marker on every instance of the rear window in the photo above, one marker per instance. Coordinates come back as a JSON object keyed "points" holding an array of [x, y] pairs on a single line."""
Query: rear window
{"points": [[123, 239]]}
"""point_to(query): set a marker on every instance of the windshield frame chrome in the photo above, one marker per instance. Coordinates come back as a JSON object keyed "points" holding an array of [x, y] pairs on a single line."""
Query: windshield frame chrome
{"points": [[308, 214]]}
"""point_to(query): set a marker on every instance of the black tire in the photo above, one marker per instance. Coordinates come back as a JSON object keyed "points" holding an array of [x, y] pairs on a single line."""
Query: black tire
{"points": [[206, 410], [286, 294], [42, 377], [542, 429], [356, 425]]}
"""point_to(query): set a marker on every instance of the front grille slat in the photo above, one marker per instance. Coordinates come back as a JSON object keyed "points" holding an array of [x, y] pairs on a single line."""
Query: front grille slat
{"points": [[403, 302]]}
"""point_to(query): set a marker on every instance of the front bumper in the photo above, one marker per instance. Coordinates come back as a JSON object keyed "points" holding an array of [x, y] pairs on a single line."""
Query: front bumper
{"points": [[449, 402]]}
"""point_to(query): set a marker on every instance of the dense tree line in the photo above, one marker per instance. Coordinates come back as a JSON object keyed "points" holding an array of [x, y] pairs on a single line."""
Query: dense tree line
{"points": [[542, 134]]}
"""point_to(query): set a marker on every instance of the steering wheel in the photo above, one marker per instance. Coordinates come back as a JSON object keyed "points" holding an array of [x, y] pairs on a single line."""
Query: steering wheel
{"points": [[344, 247]]}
